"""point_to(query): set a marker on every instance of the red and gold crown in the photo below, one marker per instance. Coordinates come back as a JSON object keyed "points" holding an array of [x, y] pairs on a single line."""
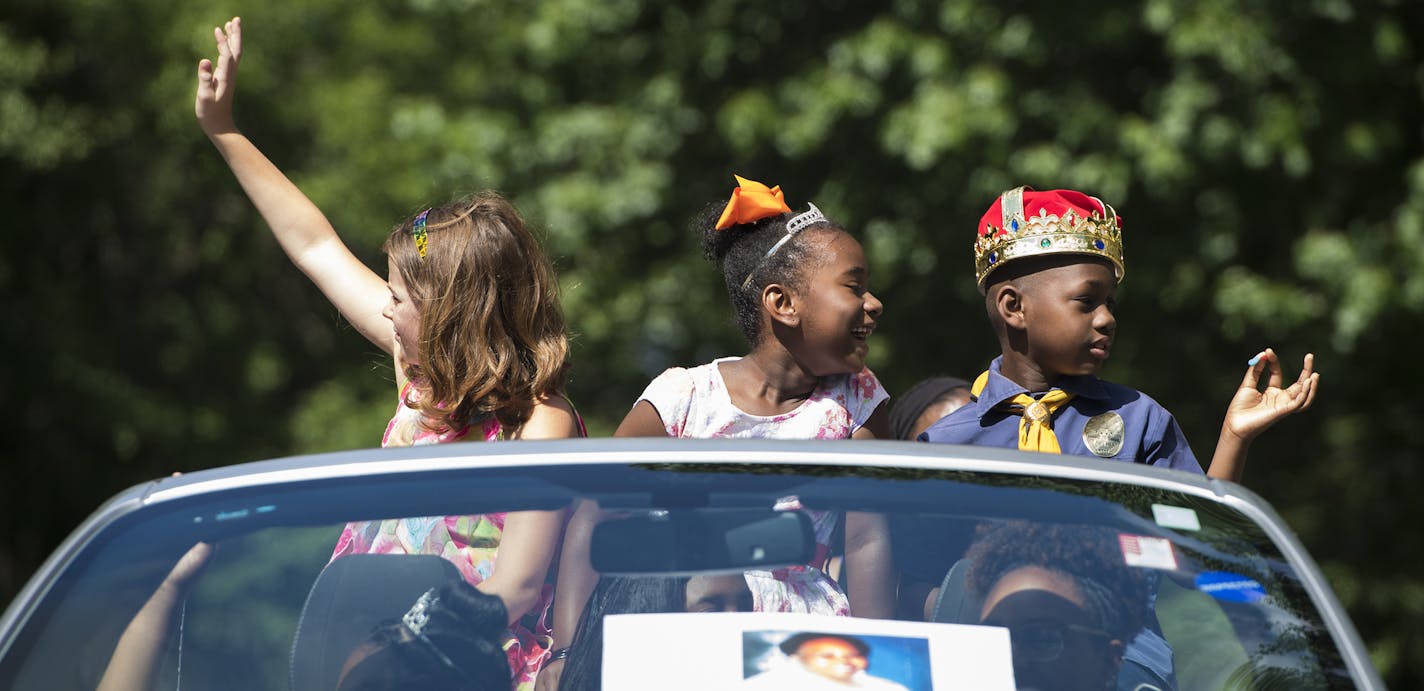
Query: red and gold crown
{"points": [[1024, 223]]}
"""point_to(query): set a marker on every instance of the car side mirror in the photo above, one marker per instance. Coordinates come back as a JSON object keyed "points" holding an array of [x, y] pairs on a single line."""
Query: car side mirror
{"points": [[690, 541]]}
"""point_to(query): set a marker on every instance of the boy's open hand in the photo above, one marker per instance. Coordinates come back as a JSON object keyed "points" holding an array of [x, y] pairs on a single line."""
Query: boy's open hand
{"points": [[216, 83], [1252, 410]]}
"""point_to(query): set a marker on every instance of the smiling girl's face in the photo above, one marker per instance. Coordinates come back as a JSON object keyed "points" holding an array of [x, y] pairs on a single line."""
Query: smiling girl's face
{"points": [[405, 318], [838, 312]]}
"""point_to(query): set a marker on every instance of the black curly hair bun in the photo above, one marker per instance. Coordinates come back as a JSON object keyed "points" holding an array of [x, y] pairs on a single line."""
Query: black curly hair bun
{"points": [[741, 252], [475, 612], [718, 243]]}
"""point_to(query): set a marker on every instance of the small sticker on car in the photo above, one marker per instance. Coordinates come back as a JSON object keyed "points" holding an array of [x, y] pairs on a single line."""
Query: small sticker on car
{"points": [[1230, 587], [1147, 552], [1176, 517]]}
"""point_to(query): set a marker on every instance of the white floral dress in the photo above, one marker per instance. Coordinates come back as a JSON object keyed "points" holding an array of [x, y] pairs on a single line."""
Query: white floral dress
{"points": [[694, 403]]}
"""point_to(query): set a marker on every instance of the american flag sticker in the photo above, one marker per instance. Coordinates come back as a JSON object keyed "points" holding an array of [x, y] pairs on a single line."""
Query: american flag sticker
{"points": [[1147, 552]]}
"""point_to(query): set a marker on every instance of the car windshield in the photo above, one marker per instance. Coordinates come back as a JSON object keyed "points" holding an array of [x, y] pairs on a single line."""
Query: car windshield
{"points": [[1066, 580]]}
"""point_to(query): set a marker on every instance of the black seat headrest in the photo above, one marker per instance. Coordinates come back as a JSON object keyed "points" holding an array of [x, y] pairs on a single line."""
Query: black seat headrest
{"points": [[350, 597]]}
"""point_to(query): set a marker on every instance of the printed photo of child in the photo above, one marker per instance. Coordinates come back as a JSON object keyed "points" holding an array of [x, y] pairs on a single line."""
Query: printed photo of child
{"points": [[793, 651], [778, 660]]}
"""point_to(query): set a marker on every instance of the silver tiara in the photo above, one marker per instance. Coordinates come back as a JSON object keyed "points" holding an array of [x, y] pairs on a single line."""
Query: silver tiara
{"points": [[418, 618], [798, 223], [808, 217], [419, 614]]}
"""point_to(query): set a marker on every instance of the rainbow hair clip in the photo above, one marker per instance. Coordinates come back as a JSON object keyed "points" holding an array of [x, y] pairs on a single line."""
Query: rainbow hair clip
{"points": [[417, 231]]}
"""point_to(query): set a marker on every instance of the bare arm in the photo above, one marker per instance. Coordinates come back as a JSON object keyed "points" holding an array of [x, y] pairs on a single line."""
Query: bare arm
{"points": [[134, 664], [576, 582], [519, 577], [642, 421], [300, 228], [577, 579], [526, 548], [869, 565], [877, 426], [868, 562], [1253, 411]]}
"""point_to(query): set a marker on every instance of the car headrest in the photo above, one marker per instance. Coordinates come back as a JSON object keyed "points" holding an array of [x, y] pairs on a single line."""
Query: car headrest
{"points": [[350, 597], [955, 604]]}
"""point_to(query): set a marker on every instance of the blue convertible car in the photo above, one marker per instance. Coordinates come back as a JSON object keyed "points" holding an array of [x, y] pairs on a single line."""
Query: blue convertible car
{"points": [[1008, 570]]}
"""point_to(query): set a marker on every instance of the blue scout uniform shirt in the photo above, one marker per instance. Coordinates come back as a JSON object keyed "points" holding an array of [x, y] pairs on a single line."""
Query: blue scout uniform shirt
{"points": [[1149, 433]]}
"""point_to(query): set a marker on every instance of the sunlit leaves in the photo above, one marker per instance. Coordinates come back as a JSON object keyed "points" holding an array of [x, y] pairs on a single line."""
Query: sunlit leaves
{"points": [[38, 131]]}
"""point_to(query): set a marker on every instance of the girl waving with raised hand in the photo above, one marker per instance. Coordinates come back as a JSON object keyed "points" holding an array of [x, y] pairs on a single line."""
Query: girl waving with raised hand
{"points": [[800, 291], [470, 313]]}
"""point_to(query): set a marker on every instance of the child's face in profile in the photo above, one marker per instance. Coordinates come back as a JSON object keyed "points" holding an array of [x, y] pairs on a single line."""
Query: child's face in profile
{"points": [[404, 316], [838, 312], [1068, 316]]}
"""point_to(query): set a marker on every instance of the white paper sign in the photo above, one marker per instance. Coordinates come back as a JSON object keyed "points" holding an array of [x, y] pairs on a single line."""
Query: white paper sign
{"points": [[766, 650]]}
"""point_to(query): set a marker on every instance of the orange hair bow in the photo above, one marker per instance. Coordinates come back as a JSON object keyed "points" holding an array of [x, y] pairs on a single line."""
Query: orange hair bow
{"points": [[751, 201]]}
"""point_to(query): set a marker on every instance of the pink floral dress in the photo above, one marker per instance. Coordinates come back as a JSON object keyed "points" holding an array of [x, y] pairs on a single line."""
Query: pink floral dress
{"points": [[695, 403], [471, 543]]}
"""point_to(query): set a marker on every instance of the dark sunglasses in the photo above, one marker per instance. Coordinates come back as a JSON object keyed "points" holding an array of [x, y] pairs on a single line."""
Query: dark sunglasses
{"points": [[1043, 641]]}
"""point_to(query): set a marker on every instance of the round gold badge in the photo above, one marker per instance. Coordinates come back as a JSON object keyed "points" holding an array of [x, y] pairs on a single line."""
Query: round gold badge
{"points": [[1103, 434]]}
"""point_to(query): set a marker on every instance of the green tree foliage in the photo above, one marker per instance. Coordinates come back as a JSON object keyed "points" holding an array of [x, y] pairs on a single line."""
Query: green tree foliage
{"points": [[1266, 155]]}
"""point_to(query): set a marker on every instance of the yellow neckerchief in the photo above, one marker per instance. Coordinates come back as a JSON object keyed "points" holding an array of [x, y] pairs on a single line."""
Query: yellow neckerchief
{"points": [[1036, 415]]}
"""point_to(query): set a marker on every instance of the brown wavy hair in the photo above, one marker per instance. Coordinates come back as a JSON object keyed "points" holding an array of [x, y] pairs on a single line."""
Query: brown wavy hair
{"points": [[492, 336]]}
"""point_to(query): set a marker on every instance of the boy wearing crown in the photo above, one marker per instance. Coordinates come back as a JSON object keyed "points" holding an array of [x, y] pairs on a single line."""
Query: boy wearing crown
{"points": [[1048, 264]]}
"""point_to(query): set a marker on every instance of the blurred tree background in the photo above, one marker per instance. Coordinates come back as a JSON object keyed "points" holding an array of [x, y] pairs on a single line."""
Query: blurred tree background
{"points": [[1267, 156]]}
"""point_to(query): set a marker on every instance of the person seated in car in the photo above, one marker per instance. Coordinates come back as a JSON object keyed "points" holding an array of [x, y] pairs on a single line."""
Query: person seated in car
{"points": [[1069, 601], [449, 640], [583, 669]]}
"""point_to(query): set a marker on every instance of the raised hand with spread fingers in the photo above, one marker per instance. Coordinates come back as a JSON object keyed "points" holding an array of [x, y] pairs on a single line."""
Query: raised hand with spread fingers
{"points": [[217, 81], [1253, 410], [304, 233]]}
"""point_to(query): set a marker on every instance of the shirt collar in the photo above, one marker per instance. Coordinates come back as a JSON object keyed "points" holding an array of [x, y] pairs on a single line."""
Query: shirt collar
{"points": [[1000, 388]]}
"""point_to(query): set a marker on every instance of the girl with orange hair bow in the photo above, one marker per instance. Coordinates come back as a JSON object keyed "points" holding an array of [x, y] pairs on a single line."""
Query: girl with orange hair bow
{"points": [[800, 289]]}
